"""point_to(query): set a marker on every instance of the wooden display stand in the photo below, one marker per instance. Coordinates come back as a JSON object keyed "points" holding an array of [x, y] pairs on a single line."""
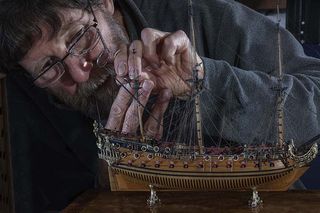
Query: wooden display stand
{"points": [[204, 202]]}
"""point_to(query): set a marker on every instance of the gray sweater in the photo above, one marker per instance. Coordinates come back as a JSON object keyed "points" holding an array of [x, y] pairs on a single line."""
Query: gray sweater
{"points": [[240, 54]]}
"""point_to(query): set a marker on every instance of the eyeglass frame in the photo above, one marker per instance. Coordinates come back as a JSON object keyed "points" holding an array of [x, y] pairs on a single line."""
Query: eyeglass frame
{"points": [[69, 50]]}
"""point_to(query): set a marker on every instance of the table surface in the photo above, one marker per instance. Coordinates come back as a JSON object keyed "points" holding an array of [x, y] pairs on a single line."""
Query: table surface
{"points": [[195, 202]]}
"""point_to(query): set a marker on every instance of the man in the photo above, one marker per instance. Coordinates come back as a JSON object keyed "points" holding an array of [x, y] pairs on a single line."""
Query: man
{"points": [[71, 48]]}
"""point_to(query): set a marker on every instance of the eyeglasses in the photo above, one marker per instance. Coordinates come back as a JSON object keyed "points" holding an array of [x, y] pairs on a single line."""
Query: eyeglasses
{"points": [[83, 42]]}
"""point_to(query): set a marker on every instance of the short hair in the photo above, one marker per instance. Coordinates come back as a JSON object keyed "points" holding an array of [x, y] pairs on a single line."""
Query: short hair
{"points": [[20, 25]]}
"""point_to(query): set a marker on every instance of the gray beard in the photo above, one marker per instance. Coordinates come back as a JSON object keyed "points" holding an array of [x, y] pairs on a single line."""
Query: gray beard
{"points": [[93, 98]]}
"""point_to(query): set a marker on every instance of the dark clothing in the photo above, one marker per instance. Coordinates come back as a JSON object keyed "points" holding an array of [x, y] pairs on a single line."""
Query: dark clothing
{"points": [[54, 152], [53, 149]]}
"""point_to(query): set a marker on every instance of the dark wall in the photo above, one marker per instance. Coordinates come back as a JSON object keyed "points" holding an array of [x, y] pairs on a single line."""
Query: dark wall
{"points": [[303, 20]]}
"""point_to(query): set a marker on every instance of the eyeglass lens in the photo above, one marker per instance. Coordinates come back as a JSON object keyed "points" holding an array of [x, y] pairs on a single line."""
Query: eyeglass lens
{"points": [[51, 76], [81, 45], [86, 42]]}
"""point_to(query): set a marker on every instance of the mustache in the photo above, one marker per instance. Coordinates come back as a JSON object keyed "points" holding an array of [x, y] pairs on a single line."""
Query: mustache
{"points": [[97, 77], [95, 96]]}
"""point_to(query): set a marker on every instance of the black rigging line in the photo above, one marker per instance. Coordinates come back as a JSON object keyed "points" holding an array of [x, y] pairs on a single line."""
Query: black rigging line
{"points": [[133, 96]]}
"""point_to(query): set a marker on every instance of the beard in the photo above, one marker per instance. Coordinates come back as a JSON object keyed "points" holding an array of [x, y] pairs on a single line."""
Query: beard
{"points": [[94, 97]]}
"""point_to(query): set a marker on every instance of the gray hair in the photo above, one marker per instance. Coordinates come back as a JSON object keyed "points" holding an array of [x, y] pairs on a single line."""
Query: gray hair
{"points": [[20, 22]]}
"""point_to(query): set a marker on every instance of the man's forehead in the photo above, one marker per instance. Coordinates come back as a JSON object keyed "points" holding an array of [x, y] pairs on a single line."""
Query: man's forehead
{"points": [[69, 18]]}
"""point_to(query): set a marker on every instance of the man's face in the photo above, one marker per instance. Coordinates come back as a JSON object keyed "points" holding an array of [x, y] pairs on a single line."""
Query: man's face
{"points": [[83, 86]]}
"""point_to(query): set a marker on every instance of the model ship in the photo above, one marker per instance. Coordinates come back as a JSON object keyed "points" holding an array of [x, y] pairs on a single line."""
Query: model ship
{"points": [[184, 160], [136, 162]]}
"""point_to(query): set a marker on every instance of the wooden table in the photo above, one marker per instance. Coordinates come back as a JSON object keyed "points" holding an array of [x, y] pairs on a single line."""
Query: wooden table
{"points": [[195, 202]]}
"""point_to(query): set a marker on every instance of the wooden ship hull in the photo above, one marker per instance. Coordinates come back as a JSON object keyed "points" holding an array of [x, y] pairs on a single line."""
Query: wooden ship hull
{"points": [[133, 166], [125, 178]]}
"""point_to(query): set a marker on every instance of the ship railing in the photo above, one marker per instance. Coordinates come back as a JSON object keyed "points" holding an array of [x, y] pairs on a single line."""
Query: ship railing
{"points": [[305, 159]]}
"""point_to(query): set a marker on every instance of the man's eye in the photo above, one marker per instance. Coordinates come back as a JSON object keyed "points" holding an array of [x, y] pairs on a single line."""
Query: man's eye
{"points": [[48, 63], [75, 37]]}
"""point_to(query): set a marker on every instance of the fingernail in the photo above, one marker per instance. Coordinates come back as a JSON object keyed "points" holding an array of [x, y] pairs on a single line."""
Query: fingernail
{"points": [[152, 129], [147, 85], [122, 69], [132, 73]]}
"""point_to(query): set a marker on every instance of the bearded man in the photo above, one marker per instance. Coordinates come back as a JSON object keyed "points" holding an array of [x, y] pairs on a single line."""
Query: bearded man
{"points": [[65, 61]]}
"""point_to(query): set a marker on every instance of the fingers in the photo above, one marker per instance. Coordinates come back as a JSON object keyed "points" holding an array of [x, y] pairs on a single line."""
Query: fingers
{"points": [[164, 46], [119, 108], [124, 111], [175, 57], [154, 125], [174, 44], [131, 121], [124, 115], [134, 60], [151, 39], [120, 61], [128, 63]]}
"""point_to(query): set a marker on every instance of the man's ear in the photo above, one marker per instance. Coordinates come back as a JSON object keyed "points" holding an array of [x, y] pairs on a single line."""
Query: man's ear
{"points": [[109, 5]]}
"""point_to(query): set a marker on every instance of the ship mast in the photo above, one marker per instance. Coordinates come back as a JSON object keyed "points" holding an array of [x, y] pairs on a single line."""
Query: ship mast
{"points": [[196, 81], [136, 95], [280, 100]]}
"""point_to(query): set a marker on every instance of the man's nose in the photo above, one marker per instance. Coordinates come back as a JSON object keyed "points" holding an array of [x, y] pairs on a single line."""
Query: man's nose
{"points": [[79, 68]]}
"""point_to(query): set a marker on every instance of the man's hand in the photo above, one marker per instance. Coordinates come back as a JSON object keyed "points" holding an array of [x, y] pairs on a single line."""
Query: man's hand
{"points": [[160, 63], [134, 95], [168, 59], [124, 115]]}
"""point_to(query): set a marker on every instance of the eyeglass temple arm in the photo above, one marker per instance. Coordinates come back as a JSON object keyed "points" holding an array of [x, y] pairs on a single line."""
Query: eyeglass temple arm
{"points": [[91, 10]]}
